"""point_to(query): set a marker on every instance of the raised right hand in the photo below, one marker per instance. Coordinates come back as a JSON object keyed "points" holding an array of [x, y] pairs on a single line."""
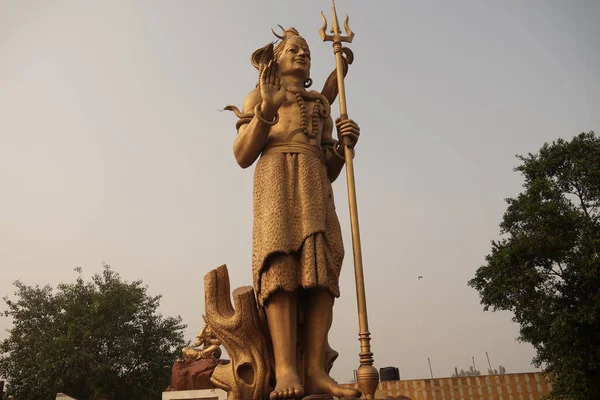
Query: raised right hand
{"points": [[272, 92]]}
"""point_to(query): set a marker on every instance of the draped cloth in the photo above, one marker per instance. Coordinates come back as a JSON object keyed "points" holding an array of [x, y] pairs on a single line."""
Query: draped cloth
{"points": [[297, 240]]}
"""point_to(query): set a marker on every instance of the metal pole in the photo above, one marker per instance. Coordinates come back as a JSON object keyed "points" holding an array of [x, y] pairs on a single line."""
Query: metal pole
{"points": [[430, 370], [367, 375]]}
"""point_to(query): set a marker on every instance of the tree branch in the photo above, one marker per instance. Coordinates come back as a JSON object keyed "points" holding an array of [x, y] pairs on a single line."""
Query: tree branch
{"points": [[562, 271], [580, 196], [556, 274]]}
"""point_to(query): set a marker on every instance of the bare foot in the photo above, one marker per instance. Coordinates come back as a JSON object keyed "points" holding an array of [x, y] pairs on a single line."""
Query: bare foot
{"points": [[321, 383], [288, 386]]}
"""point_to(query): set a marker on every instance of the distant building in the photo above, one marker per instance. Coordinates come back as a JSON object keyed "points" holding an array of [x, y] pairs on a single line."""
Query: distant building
{"points": [[528, 386]]}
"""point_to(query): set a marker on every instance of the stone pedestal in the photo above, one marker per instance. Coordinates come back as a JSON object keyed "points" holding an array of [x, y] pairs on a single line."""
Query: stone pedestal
{"points": [[203, 394]]}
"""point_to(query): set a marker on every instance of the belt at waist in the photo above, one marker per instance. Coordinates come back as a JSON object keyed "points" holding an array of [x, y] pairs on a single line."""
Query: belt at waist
{"points": [[294, 147]]}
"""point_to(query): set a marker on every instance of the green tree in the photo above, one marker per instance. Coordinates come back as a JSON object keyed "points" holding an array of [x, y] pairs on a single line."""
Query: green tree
{"points": [[500, 371], [546, 268], [103, 337], [470, 372]]}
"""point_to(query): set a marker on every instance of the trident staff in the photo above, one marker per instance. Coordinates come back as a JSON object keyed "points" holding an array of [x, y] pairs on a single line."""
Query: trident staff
{"points": [[367, 376]]}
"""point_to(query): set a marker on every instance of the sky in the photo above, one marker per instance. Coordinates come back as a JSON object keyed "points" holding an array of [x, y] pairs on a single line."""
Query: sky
{"points": [[113, 150]]}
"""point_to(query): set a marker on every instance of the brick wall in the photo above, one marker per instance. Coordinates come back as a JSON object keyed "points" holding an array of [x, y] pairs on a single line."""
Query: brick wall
{"points": [[525, 386]]}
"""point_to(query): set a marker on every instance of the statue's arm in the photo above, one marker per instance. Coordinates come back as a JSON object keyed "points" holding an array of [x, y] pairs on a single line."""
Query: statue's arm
{"points": [[334, 163], [207, 351], [252, 137]]}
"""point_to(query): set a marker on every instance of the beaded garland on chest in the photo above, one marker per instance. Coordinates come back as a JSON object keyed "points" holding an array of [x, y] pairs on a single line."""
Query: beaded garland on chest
{"points": [[321, 109]]}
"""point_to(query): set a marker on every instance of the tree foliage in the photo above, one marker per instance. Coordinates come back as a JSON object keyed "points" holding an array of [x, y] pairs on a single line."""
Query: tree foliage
{"points": [[470, 372], [103, 337], [546, 268], [475, 372], [500, 371]]}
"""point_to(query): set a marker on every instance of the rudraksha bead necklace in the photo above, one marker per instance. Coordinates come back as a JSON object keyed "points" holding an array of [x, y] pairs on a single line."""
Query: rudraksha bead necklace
{"points": [[314, 116]]}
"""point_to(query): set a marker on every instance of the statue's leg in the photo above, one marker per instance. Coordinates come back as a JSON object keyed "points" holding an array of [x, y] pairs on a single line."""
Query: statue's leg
{"points": [[318, 315], [281, 310]]}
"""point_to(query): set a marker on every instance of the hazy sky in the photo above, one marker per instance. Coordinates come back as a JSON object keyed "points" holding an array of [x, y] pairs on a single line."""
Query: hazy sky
{"points": [[112, 150]]}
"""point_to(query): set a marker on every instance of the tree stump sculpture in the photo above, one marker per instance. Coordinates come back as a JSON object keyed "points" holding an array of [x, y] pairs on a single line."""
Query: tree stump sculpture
{"points": [[242, 333]]}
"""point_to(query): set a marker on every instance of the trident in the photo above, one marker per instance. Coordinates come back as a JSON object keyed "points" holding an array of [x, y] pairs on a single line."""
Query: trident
{"points": [[366, 376]]}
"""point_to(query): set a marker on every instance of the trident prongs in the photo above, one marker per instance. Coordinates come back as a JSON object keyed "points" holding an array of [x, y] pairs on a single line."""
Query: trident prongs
{"points": [[335, 29]]}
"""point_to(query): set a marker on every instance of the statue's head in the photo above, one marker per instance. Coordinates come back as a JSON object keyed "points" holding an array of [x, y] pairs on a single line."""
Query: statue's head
{"points": [[207, 328], [292, 53]]}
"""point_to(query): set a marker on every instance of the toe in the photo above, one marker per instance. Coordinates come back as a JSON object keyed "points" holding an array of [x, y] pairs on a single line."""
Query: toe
{"points": [[299, 392]]}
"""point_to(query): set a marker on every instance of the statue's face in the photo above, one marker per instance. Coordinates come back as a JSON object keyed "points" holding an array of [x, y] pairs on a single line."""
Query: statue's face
{"points": [[295, 57]]}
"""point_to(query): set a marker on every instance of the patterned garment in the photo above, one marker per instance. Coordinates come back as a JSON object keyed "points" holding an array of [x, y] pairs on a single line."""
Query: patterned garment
{"points": [[297, 240]]}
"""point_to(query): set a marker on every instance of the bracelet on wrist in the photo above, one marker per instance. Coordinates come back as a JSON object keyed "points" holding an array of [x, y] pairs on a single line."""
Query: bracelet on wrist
{"points": [[258, 115]]}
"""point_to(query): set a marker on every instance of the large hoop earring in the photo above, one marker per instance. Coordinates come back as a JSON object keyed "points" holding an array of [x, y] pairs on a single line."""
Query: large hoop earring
{"points": [[307, 83]]}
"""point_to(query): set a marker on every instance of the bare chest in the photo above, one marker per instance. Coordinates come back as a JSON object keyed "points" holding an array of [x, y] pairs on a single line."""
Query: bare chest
{"points": [[299, 120]]}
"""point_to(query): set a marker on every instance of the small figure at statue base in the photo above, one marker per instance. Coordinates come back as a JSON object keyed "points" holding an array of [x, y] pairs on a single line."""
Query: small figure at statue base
{"points": [[195, 369]]}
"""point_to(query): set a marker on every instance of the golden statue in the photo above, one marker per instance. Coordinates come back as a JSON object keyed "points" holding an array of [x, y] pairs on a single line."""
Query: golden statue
{"points": [[297, 242], [277, 333], [206, 345]]}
